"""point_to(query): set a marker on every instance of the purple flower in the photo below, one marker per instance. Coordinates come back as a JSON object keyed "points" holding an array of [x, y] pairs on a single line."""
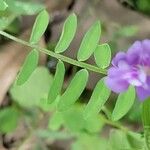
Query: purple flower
{"points": [[131, 68]]}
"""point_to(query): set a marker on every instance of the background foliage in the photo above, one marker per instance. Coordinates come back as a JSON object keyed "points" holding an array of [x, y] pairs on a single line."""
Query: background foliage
{"points": [[51, 107]]}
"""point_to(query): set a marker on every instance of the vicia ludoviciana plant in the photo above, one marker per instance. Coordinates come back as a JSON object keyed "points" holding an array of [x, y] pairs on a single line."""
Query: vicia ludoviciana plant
{"points": [[129, 76]]}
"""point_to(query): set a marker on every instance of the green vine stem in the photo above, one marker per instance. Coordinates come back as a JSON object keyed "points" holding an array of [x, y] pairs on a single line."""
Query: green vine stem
{"points": [[55, 55], [114, 124], [146, 121]]}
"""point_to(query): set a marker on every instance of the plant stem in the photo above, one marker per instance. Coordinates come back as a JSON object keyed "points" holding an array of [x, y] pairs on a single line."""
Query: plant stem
{"points": [[114, 124], [55, 55], [146, 121], [107, 112]]}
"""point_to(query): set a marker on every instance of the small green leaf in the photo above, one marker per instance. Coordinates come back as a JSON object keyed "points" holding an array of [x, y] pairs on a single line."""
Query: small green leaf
{"points": [[14, 27], [56, 86], [99, 96], [124, 103], [102, 55], [55, 121], [89, 142], [72, 116], [94, 124], [74, 90], [39, 27], [28, 67], [68, 33], [32, 92], [89, 42], [24, 7], [5, 21], [75, 114], [8, 119], [118, 141], [3, 5], [136, 140]]}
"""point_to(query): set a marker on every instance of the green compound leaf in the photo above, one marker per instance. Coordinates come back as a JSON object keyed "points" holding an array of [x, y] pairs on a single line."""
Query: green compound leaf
{"points": [[3, 5], [99, 96], [124, 103], [28, 67], [24, 8], [68, 33], [74, 90], [89, 42], [39, 27], [8, 119], [102, 55], [56, 86]]}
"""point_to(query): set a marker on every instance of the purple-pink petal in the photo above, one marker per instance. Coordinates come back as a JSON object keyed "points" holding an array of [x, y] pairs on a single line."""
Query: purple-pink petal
{"points": [[134, 53], [115, 80], [121, 56], [142, 93], [117, 85], [131, 68], [146, 45]]}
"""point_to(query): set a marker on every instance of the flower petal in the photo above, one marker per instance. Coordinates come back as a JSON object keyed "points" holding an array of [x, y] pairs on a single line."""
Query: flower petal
{"points": [[115, 79], [142, 93], [134, 53], [146, 45], [116, 85], [121, 56], [131, 68]]}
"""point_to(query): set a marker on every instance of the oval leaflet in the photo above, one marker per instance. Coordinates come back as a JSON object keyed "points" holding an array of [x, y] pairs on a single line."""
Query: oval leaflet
{"points": [[99, 96], [102, 55], [124, 103], [74, 90], [56, 86], [89, 42], [39, 26], [28, 67], [68, 33]]}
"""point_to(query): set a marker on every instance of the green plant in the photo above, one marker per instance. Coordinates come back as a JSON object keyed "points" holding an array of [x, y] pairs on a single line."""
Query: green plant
{"points": [[35, 87]]}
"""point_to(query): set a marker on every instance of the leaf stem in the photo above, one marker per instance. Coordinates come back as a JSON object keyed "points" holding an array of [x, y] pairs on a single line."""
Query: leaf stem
{"points": [[146, 121], [114, 124], [55, 55]]}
